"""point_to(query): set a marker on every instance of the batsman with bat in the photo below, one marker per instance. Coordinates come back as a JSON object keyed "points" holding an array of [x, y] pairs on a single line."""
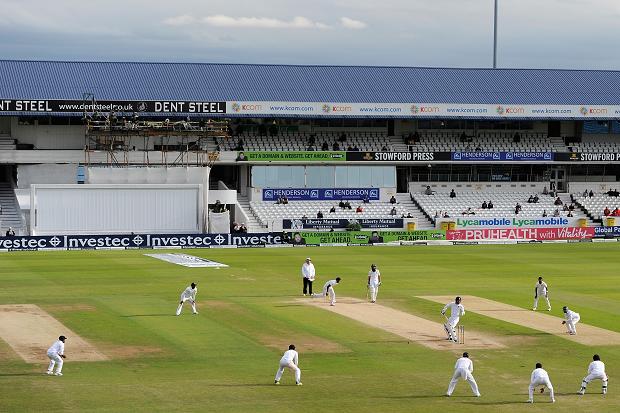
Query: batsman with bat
{"points": [[456, 311]]}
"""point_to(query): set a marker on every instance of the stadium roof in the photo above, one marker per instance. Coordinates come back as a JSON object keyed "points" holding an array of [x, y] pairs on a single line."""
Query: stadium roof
{"points": [[251, 82]]}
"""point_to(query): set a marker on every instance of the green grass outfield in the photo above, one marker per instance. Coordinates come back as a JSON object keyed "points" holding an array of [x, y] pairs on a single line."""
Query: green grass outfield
{"points": [[218, 361]]}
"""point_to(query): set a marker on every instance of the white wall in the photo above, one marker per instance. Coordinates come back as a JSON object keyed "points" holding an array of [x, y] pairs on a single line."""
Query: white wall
{"points": [[419, 187], [49, 136], [579, 187], [46, 174], [105, 209]]}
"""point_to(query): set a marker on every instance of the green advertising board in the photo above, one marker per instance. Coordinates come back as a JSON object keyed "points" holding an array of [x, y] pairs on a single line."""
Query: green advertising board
{"points": [[367, 237], [302, 156]]}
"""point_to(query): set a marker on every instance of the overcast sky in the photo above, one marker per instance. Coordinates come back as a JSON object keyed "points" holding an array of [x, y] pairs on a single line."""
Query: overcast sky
{"points": [[454, 33]]}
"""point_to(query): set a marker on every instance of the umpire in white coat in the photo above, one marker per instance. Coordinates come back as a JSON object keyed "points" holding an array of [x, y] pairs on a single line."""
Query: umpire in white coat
{"points": [[308, 274]]}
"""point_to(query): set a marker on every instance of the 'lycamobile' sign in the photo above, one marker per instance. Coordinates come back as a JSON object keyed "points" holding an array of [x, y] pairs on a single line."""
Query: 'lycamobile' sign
{"points": [[468, 223]]}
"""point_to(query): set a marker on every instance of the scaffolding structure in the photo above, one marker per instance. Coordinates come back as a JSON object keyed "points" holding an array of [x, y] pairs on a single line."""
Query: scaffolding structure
{"points": [[184, 142]]}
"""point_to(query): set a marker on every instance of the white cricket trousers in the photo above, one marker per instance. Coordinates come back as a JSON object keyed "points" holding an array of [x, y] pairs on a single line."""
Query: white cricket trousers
{"points": [[373, 289], [55, 359], [463, 374], [288, 365], [546, 299], [570, 324], [539, 382], [450, 327], [332, 295], [590, 377], [183, 300]]}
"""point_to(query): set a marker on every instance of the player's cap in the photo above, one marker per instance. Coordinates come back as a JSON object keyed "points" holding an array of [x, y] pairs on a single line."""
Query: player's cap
{"points": [[308, 259], [61, 338], [466, 354]]}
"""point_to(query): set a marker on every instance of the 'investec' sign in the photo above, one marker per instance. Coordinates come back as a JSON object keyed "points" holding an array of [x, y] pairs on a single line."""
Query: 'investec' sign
{"points": [[466, 223]]}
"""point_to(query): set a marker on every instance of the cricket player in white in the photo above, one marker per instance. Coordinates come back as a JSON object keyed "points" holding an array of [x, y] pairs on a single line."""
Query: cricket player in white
{"points": [[462, 370], [56, 354], [571, 318], [596, 371], [541, 290], [374, 281], [290, 360], [188, 294], [456, 311], [328, 289], [540, 377], [308, 274]]}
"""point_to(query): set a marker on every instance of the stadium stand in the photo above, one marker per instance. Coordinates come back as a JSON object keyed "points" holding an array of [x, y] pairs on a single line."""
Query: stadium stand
{"points": [[459, 140], [504, 204], [595, 206], [270, 212], [597, 144], [301, 141], [10, 215]]}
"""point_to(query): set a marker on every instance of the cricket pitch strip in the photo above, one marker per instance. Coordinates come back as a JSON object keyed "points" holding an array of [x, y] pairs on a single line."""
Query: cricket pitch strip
{"points": [[415, 329], [29, 331]]}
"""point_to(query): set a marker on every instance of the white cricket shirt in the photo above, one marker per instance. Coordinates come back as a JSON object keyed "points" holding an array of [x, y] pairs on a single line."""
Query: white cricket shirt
{"points": [[290, 355], [539, 375], [57, 348], [541, 288], [596, 367], [374, 277], [456, 310], [464, 363], [190, 292], [307, 271]]}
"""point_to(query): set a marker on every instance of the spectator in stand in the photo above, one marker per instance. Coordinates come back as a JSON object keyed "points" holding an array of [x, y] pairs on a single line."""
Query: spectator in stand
{"points": [[544, 213], [452, 194], [319, 215], [347, 205], [516, 138], [234, 228], [565, 208], [359, 209], [10, 232], [335, 146], [591, 194], [341, 204], [356, 148], [311, 148], [518, 208], [556, 213], [409, 215], [445, 215], [536, 199], [613, 192], [545, 191], [530, 200], [349, 148], [437, 214], [383, 148], [279, 201], [557, 201], [484, 205], [304, 216], [606, 212], [366, 200], [243, 229], [468, 211], [392, 200], [285, 200], [585, 193], [616, 213], [343, 137], [332, 210], [428, 190], [571, 207], [463, 137], [490, 205], [570, 214], [325, 146], [393, 212]]}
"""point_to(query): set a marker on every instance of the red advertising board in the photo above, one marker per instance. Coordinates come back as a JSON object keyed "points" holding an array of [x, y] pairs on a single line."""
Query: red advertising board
{"points": [[540, 234]]}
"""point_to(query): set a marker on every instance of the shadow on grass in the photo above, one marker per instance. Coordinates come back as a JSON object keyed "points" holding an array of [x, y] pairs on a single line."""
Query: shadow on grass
{"points": [[481, 403], [150, 315], [250, 385], [21, 374], [418, 396]]}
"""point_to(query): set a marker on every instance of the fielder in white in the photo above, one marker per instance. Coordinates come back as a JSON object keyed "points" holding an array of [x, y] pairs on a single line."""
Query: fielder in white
{"points": [[188, 294], [456, 311], [56, 354], [540, 377], [374, 281], [571, 319], [290, 360], [596, 371], [462, 370], [328, 290], [541, 290]]}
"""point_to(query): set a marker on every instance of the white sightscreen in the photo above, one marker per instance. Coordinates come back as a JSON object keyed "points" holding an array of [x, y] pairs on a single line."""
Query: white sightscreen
{"points": [[106, 209]]}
